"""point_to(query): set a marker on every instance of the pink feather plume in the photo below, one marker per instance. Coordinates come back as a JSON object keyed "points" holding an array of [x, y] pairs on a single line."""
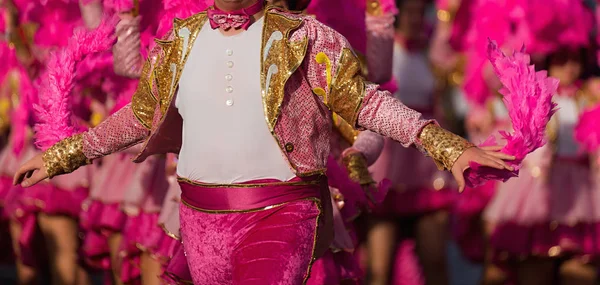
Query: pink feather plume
{"points": [[587, 131], [179, 9], [528, 98], [21, 117], [54, 110]]}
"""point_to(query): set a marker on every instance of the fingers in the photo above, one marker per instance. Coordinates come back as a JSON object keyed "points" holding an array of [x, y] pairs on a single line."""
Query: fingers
{"points": [[494, 162], [23, 172], [500, 155], [33, 178], [460, 179], [492, 148]]}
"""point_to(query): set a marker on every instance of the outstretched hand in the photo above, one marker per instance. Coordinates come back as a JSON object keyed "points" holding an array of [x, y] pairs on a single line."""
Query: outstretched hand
{"points": [[489, 156], [31, 173]]}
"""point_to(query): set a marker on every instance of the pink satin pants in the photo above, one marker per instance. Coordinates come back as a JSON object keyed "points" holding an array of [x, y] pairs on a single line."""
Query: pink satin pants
{"points": [[273, 246]]}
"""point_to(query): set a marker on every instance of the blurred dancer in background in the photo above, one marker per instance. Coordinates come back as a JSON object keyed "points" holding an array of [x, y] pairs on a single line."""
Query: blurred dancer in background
{"points": [[421, 195]]}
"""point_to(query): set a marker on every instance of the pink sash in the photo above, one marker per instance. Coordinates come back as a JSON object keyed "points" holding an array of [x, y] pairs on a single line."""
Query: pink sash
{"points": [[250, 195], [260, 194]]}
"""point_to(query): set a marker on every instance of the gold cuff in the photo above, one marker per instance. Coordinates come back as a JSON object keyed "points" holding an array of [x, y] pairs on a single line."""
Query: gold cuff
{"points": [[65, 156], [358, 171], [443, 146]]}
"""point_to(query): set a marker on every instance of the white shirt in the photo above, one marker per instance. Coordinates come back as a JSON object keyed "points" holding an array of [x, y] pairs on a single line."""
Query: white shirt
{"points": [[225, 134], [568, 115]]}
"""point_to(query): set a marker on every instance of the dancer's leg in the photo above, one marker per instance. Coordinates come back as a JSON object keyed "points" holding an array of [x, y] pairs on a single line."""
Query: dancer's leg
{"points": [[431, 236], [151, 269], [114, 244], [26, 275], [60, 234], [382, 238]]}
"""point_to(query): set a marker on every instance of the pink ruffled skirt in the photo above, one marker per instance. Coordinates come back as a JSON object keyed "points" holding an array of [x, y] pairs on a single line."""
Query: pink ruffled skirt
{"points": [[98, 221], [143, 234], [560, 217], [101, 213], [23, 205]]}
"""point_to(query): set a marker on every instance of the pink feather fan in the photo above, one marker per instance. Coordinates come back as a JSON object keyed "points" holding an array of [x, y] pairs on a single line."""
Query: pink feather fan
{"points": [[528, 98], [54, 110]]}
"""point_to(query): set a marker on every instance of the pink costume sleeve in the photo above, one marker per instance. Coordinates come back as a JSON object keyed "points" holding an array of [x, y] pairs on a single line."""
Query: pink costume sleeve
{"points": [[370, 145], [118, 132], [127, 58], [357, 101], [91, 12], [380, 42]]}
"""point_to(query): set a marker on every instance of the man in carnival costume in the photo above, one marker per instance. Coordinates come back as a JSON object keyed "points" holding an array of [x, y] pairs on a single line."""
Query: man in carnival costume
{"points": [[256, 207]]}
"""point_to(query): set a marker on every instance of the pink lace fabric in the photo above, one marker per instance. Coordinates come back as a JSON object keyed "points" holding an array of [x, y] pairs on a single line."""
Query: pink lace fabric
{"points": [[116, 133], [387, 116]]}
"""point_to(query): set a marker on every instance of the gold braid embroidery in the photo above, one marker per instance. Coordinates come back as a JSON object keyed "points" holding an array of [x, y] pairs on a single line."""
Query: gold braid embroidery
{"points": [[356, 164], [443, 146], [65, 156]]}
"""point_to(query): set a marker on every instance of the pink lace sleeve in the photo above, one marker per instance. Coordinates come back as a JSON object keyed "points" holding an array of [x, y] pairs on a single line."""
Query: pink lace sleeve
{"points": [[118, 132], [386, 115], [370, 145]]}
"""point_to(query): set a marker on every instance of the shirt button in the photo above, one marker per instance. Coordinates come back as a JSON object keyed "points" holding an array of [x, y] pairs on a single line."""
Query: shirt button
{"points": [[289, 147], [229, 52], [230, 64], [229, 89], [229, 102], [228, 77]]}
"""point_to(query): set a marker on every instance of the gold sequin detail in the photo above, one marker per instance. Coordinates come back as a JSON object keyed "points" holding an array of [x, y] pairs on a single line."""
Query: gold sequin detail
{"points": [[358, 171], [443, 146], [348, 132], [65, 156], [374, 8], [143, 103], [347, 88], [288, 57]]}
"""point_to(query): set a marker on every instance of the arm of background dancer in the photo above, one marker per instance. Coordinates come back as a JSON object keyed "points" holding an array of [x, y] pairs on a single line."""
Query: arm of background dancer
{"points": [[126, 51], [91, 12], [380, 40], [370, 145], [116, 133]]}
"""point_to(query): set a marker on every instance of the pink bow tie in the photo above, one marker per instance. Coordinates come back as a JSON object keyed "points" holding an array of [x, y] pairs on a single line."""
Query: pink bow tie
{"points": [[239, 19]]}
